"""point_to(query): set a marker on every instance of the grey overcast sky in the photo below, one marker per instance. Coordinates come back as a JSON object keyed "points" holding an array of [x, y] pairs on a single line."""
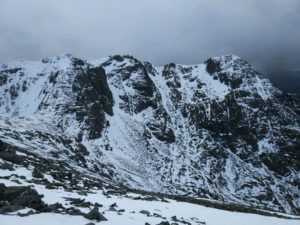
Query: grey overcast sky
{"points": [[264, 32]]}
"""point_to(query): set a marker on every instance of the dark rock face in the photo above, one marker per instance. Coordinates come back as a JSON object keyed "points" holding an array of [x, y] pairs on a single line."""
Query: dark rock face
{"points": [[138, 94], [93, 100], [212, 66], [241, 125], [141, 83], [71, 91]]}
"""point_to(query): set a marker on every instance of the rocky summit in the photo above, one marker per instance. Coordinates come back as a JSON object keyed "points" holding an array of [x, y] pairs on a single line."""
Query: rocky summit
{"points": [[218, 130]]}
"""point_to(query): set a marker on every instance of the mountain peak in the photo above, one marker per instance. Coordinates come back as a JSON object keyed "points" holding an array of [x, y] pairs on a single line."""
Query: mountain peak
{"points": [[227, 63], [217, 130]]}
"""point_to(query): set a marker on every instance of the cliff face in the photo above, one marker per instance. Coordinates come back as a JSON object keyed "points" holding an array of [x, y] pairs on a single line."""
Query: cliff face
{"points": [[216, 130]]}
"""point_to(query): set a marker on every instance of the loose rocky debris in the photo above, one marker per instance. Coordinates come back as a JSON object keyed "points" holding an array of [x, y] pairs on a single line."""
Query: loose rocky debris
{"points": [[80, 202], [116, 191], [61, 173], [174, 218], [58, 175], [143, 195], [16, 198], [196, 220], [205, 202]]}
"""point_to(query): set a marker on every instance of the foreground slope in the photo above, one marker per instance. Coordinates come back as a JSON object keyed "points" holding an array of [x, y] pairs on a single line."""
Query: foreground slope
{"points": [[217, 130], [36, 193]]}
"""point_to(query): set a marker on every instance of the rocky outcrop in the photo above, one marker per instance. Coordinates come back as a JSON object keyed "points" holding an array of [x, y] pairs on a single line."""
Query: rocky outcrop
{"points": [[16, 198]]}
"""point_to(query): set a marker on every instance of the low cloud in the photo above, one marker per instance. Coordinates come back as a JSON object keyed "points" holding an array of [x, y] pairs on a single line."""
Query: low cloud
{"points": [[266, 33]]}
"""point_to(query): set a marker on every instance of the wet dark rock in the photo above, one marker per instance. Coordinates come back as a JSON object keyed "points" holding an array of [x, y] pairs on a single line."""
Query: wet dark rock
{"points": [[116, 191], [3, 203], [37, 173], [158, 215], [145, 212], [113, 205], [7, 166], [83, 193], [98, 205], [11, 193], [94, 214], [79, 202], [74, 212], [29, 198], [164, 223], [55, 208], [11, 157], [20, 197], [112, 209], [174, 218], [164, 200], [10, 208], [50, 186]]}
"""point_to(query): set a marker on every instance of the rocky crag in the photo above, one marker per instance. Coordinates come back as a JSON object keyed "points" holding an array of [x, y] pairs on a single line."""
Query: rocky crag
{"points": [[218, 130]]}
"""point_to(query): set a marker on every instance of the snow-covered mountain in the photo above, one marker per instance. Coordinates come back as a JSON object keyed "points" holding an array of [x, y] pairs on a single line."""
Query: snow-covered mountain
{"points": [[217, 130]]}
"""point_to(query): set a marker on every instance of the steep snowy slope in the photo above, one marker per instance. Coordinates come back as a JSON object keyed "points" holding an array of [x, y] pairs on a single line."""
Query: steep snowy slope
{"points": [[216, 130]]}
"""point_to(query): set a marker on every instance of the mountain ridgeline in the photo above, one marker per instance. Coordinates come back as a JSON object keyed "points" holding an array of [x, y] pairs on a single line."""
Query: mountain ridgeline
{"points": [[217, 130]]}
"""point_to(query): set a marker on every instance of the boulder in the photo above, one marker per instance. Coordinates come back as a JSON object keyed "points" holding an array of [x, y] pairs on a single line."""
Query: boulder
{"points": [[37, 173], [145, 212], [16, 198], [94, 214]]}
